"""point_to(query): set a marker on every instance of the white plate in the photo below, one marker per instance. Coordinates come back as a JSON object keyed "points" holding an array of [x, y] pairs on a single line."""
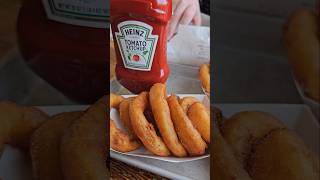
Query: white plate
{"points": [[15, 165], [142, 152], [314, 105]]}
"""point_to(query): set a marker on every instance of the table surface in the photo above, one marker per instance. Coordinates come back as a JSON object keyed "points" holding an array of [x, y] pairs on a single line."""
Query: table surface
{"points": [[120, 170]]}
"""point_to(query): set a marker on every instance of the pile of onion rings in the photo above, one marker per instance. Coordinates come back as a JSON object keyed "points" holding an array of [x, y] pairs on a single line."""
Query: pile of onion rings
{"points": [[183, 124]]}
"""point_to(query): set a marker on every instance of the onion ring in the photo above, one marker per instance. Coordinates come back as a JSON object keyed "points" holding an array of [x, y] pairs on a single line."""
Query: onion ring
{"points": [[161, 113], [45, 146], [217, 116], [84, 147], [302, 41], [200, 118], [188, 135], [224, 164], [125, 117], [281, 154], [115, 100], [245, 128], [186, 102], [120, 141], [204, 76], [17, 123], [143, 129]]}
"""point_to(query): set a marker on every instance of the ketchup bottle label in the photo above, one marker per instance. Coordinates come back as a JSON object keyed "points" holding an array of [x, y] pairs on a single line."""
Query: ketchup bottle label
{"points": [[88, 13], [137, 44]]}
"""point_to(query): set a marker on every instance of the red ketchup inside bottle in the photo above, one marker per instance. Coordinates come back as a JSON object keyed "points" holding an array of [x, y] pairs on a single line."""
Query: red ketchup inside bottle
{"points": [[139, 29]]}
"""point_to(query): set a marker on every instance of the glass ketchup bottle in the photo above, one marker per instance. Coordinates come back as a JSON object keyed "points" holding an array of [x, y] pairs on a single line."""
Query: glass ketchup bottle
{"points": [[139, 28]]}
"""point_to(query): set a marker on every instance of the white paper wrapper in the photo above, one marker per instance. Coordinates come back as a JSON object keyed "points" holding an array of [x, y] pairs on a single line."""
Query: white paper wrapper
{"points": [[191, 46]]}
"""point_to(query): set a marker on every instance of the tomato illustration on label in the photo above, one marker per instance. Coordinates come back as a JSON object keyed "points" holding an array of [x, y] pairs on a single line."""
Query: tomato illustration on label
{"points": [[136, 57], [137, 44]]}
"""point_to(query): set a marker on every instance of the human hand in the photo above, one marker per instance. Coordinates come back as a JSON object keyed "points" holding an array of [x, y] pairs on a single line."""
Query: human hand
{"points": [[186, 12]]}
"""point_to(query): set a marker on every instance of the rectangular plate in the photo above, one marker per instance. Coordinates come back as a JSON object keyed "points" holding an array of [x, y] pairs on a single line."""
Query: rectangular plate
{"points": [[15, 165]]}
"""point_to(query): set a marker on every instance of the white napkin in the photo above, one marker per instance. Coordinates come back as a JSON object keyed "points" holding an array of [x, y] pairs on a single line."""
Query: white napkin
{"points": [[191, 46]]}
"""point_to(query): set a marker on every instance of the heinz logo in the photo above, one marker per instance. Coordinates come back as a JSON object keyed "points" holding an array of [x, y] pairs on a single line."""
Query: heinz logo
{"points": [[137, 44], [135, 32]]}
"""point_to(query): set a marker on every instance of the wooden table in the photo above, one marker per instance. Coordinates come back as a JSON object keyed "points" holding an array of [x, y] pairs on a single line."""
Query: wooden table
{"points": [[120, 170]]}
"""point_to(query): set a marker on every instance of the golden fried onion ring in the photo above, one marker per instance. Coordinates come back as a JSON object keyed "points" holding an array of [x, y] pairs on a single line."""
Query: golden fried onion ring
{"points": [[45, 146], [224, 164], [243, 128], [84, 146], [200, 118], [143, 129], [18, 123], [188, 135], [204, 76], [186, 102], [120, 140], [161, 113], [125, 116], [281, 154]]}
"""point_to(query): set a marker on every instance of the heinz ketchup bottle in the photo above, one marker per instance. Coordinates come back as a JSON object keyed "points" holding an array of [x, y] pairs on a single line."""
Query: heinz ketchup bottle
{"points": [[139, 28]]}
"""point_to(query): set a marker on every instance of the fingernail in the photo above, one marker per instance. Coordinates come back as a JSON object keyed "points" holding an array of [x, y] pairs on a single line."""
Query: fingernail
{"points": [[169, 36]]}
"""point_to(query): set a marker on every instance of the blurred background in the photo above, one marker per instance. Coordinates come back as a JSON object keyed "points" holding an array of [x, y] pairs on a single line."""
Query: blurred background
{"points": [[17, 81], [48, 62], [250, 51]]}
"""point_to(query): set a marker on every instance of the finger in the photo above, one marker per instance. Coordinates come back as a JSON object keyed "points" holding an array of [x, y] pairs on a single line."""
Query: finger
{"points": [[172, 34], [169, 33], [174, 22], [197, 19], [188, 15], [176, 18]]}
